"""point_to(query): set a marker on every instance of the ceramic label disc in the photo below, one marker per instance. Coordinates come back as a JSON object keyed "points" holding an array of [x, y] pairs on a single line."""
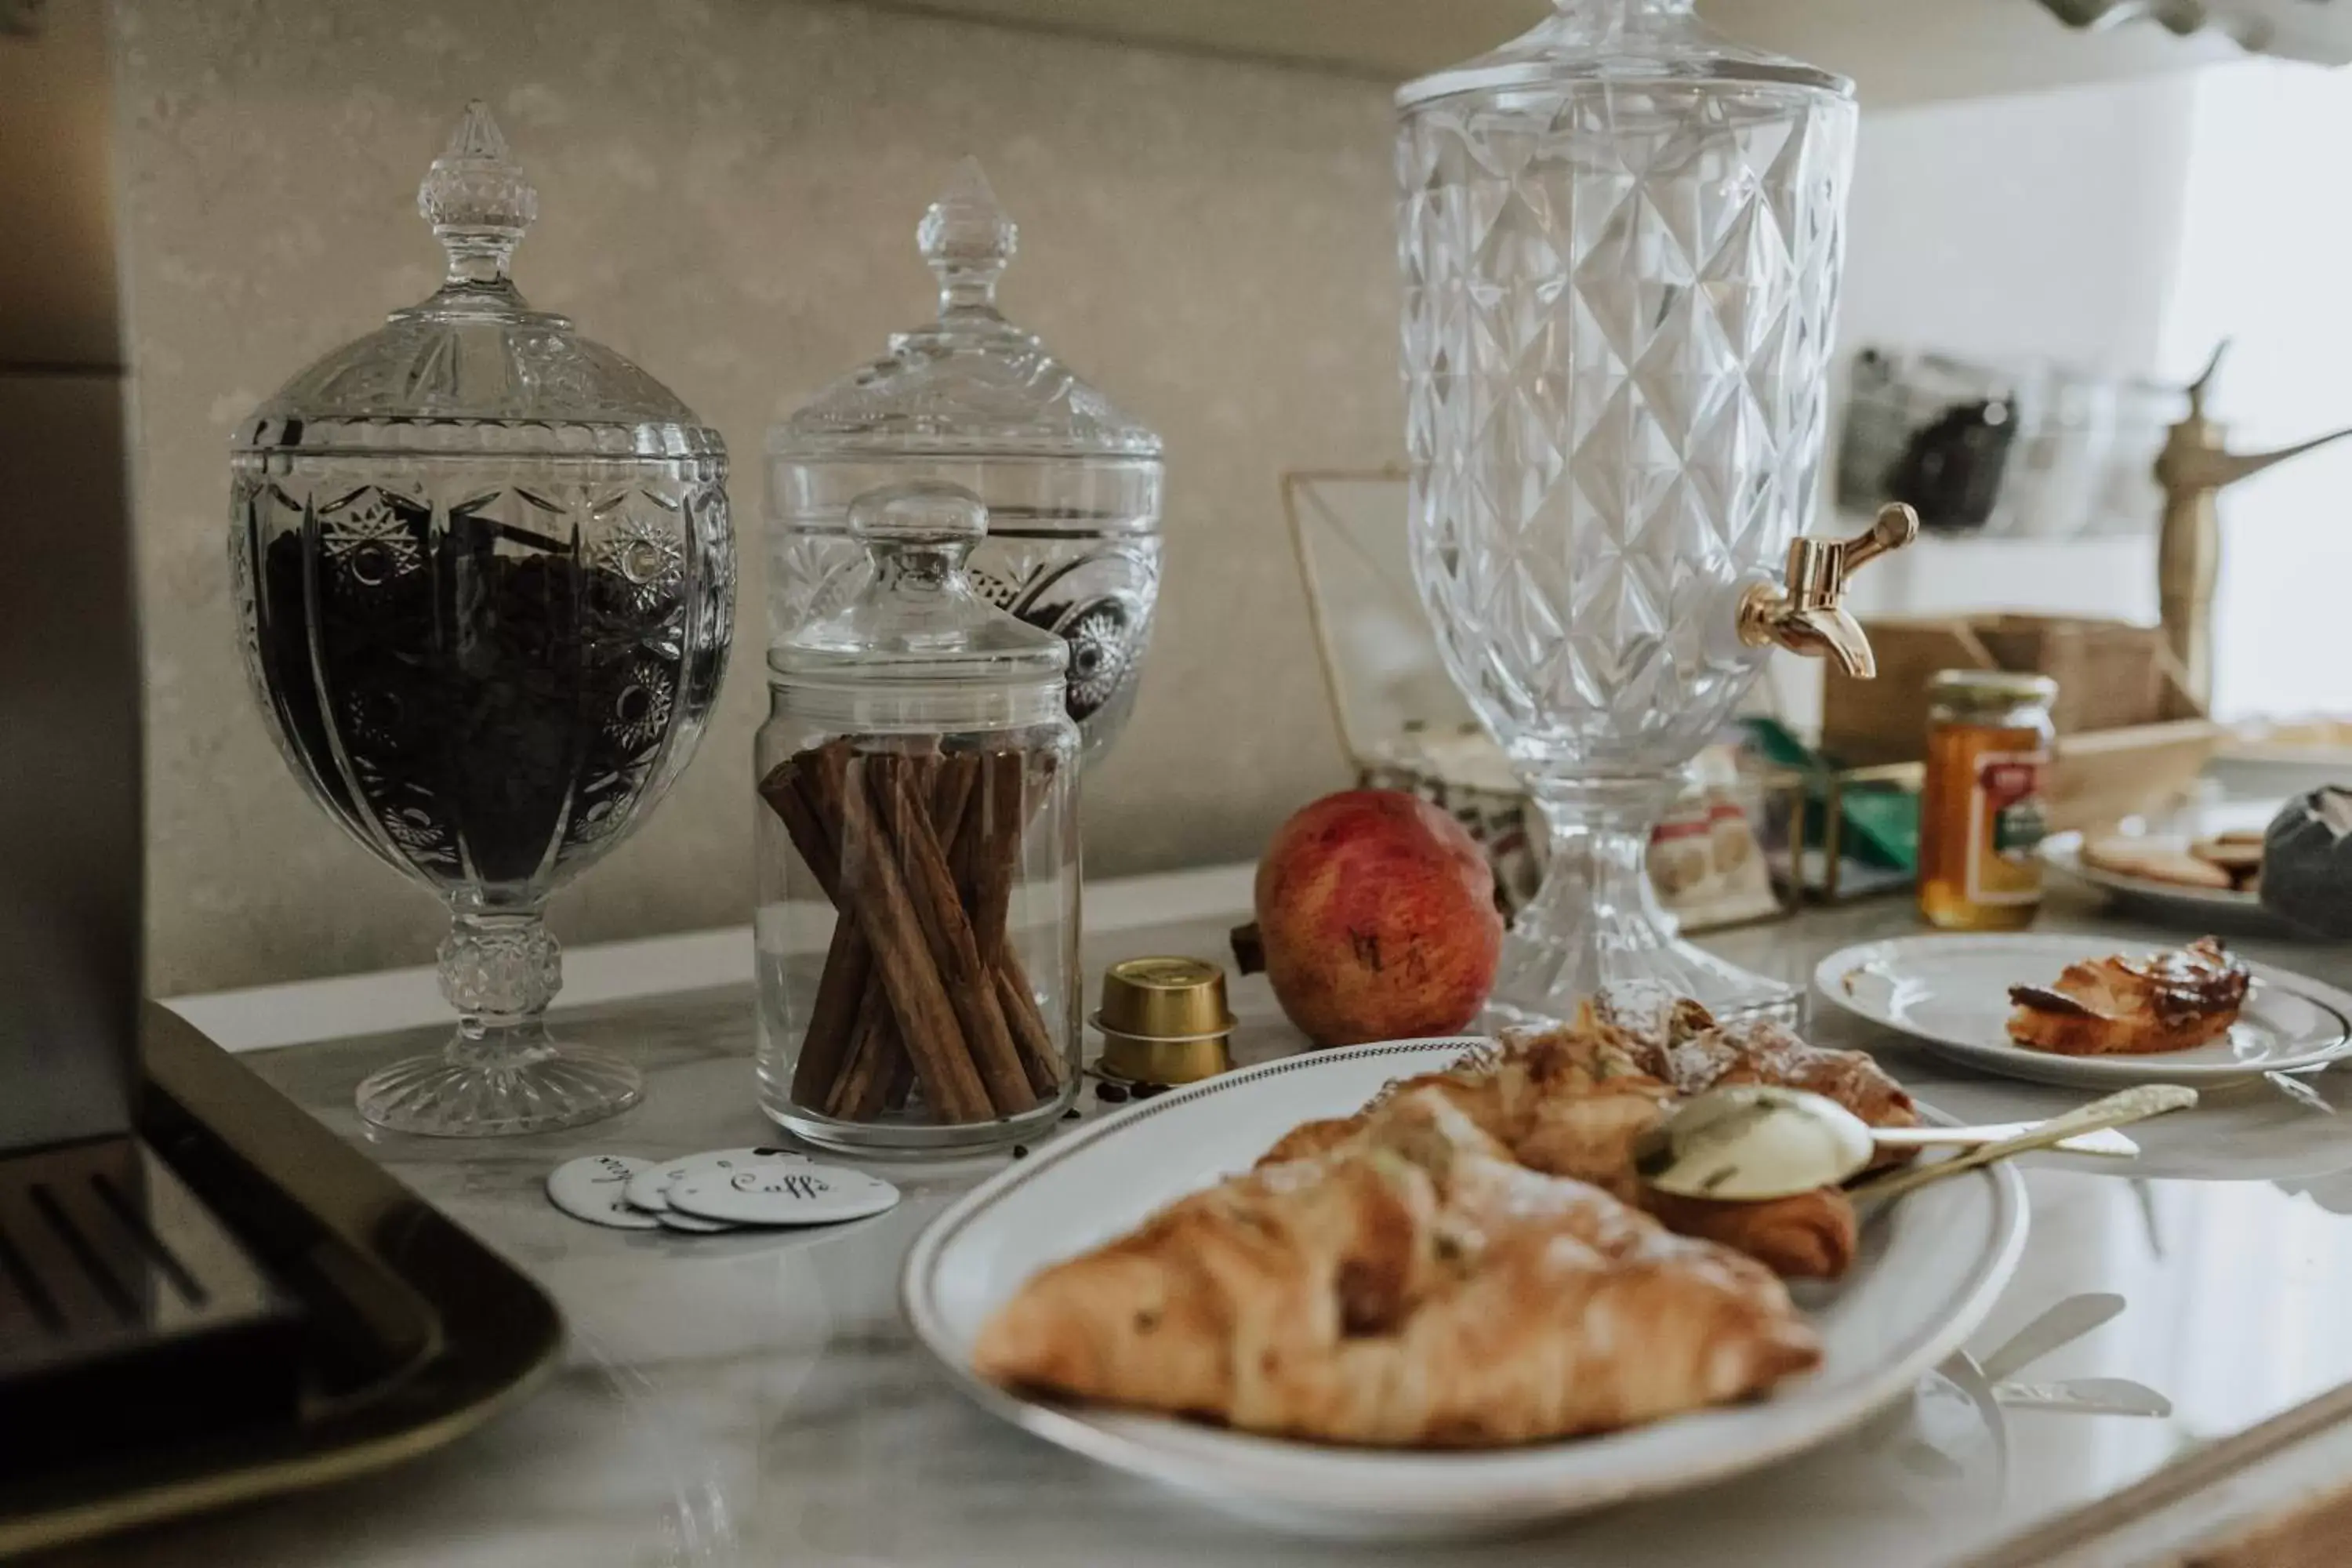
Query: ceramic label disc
{"points": [[657, 1176], [594, 1187], [775, 1192], [671, 1219]]}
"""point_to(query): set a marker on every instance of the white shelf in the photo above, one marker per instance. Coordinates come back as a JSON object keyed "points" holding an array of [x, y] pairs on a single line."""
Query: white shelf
{"points": [[1898, 51], [300, 1011]]}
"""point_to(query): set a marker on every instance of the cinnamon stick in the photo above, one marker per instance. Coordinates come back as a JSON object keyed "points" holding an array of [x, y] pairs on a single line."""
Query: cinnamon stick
{"points": [[902, 1084], [874, 797], [858, 1072], [872, 1066], [948, 932], [877, 1082], [872, 1073], [893, 1071], [792, 790], [997, 853], [995, 858], [824, 778], [1039, 1059], [842, 989], [951, 795]]}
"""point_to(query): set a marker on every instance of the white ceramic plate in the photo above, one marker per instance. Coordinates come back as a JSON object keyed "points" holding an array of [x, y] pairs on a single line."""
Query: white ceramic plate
{"points": [[2173, 904], [1952, 993], [1930, 1267]]}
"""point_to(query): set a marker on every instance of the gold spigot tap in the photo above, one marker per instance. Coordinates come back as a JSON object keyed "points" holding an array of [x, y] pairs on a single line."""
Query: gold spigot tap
{"points": [[1806, 611], [2193, 468]]}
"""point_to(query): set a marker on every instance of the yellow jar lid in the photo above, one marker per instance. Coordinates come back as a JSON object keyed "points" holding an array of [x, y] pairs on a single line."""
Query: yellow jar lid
{"points": [[1978, 688]]}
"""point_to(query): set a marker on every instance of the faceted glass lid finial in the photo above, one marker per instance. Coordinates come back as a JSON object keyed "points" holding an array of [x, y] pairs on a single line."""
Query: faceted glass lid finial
{"points": [[477, 199], [967, 238], [968, 380], [918, 617], [474, 367]]}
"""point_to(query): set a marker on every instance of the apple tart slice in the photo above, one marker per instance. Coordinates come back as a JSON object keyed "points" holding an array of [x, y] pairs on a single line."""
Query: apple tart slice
{"points": [[2170, 1001], [1414, 1286]]}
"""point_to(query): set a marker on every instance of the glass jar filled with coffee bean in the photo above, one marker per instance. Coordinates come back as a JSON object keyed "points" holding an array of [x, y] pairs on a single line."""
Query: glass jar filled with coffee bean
{"points": [[918, 922]]}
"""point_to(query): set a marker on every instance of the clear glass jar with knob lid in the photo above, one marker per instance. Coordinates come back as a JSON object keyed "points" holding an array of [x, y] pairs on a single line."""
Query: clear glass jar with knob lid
{"points": [[485, 583], [1073, 483], [918, 922]]}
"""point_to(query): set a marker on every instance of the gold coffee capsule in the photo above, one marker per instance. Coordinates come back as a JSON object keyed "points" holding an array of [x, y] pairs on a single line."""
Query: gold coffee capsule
{"points": [[1164, 1020]]}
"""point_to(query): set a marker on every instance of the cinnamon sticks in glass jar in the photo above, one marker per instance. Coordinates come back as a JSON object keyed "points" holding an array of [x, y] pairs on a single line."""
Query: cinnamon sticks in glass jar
{"points": [[917, 850], [917, 921]]}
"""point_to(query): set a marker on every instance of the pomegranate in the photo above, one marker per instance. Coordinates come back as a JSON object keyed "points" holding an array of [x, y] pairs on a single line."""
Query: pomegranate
{"points": [[1375, 912]]}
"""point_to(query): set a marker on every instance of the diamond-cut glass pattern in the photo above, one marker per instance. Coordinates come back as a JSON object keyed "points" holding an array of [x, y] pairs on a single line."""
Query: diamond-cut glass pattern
{"points": [[1617, 303]]}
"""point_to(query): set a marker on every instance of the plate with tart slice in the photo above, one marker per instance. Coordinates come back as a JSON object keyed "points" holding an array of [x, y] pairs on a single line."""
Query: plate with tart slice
{"points": [[1349, 1293], [2069, 1010]]}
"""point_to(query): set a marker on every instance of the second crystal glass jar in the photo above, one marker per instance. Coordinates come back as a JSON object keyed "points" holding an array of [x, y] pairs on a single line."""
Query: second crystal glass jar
{"points": [[918, 922], [1072, 484]]}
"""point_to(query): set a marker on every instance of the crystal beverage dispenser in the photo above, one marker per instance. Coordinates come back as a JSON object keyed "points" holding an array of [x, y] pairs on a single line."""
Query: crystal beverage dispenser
{"points": [[1620, 239]]}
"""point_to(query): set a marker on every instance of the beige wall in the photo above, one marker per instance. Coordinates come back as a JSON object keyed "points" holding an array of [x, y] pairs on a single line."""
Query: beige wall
{"points": [[729, 191], [2042, 226]]}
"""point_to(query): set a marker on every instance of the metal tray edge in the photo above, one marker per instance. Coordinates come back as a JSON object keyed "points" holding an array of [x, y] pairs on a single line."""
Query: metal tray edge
{"points": [[478, 1369]]}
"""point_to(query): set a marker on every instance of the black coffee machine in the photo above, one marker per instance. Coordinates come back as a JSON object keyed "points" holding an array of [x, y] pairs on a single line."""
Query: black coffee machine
{"points": [[126, 1309], [206, 1296]]}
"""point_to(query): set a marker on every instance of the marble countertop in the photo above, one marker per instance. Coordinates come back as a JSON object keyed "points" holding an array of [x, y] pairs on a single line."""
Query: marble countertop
{"points": [[754, 1399]]}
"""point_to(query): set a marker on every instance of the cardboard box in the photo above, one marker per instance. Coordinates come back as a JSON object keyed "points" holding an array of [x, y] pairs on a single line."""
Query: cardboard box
{"points": [[2131, 740]]}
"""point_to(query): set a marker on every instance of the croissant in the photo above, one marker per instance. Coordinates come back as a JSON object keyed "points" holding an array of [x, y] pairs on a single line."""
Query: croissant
{"points": [[1811, 1236], [1413, 1286], [1572, 1102], [1683, 1044]]}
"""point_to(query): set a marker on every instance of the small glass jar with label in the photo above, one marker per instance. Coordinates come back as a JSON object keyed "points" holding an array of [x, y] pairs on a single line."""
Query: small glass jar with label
{"points": [[1981, 812]]}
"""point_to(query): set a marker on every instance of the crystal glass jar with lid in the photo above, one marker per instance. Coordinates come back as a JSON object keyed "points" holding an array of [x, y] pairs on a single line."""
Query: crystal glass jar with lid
{"points": [[917, 841], [1620, 242], [485, 583], [1071, 483]]}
